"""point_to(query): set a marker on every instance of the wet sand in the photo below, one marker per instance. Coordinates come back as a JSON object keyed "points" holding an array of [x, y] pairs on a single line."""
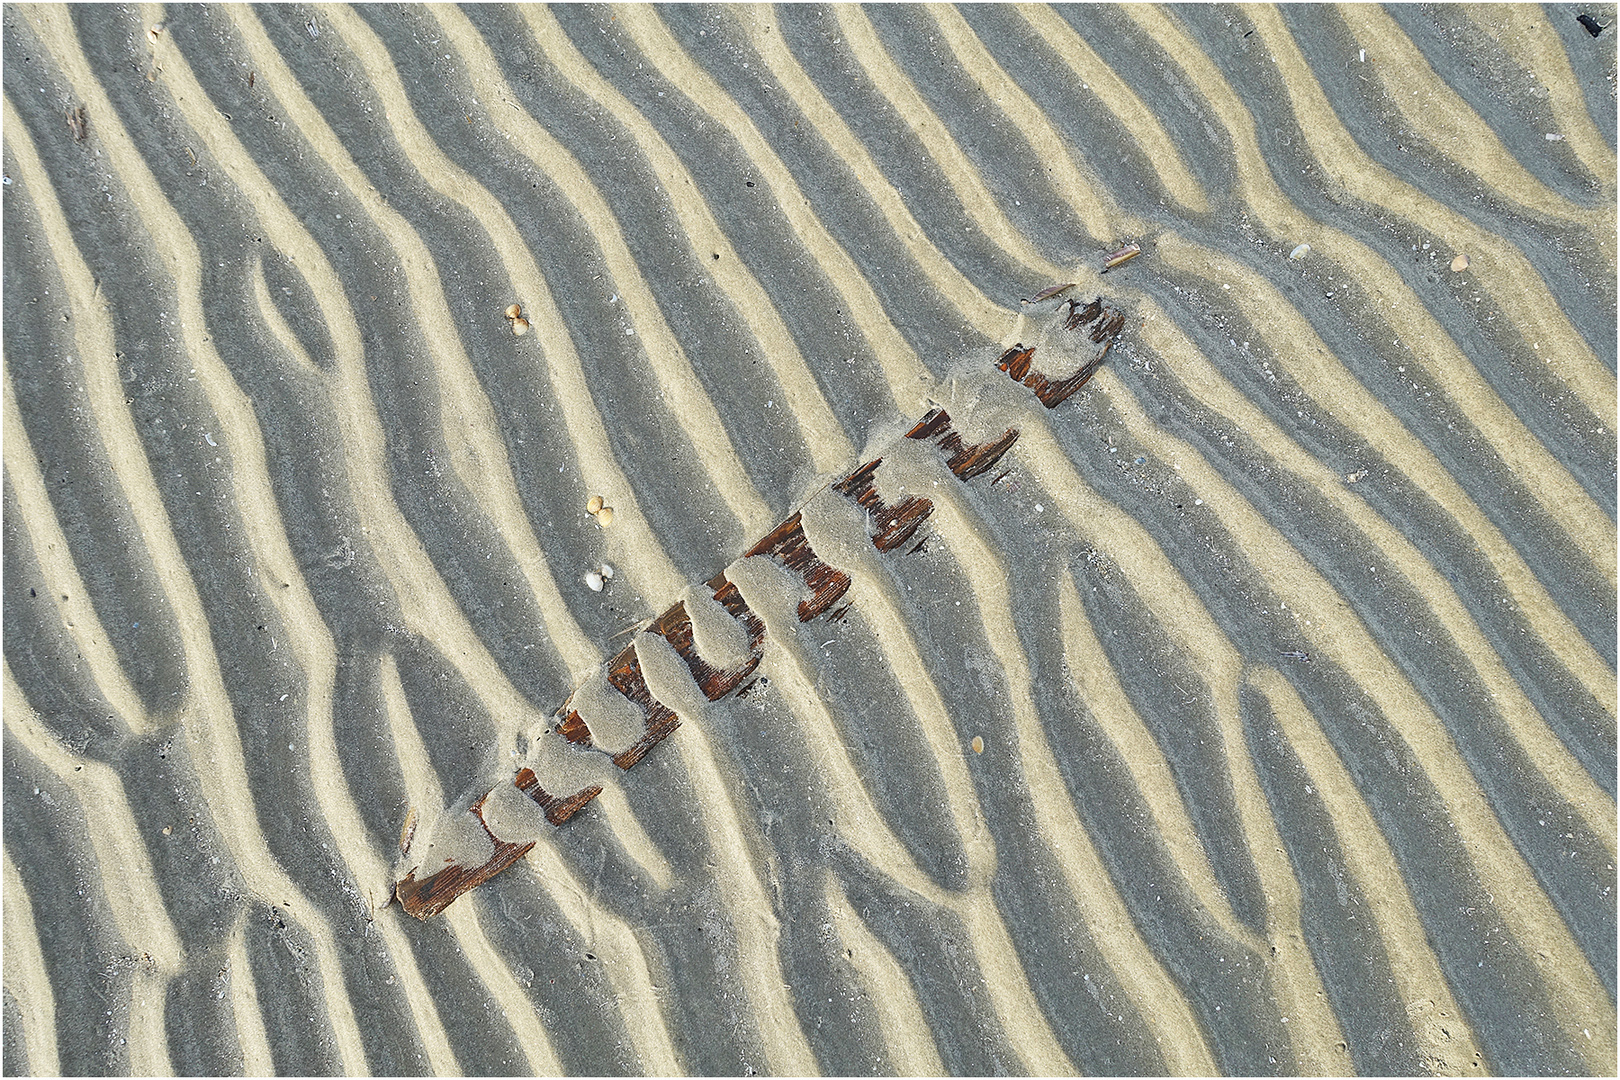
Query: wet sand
{"points": [[1288, 642]]}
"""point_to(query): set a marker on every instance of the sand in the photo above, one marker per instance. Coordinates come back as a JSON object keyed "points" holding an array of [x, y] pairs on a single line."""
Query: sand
{"points": [[1288, 642]]}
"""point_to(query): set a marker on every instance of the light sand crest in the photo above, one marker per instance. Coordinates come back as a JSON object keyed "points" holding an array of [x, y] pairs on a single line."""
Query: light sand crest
{"points": [[371, 729]]}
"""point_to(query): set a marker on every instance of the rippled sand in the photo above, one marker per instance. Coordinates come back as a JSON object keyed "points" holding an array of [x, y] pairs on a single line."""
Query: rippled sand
{"points": [[1259, 717]]}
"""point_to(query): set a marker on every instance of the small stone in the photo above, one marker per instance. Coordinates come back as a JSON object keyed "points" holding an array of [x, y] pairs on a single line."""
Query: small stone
{"points": [[596, 503], [1459, 264]]}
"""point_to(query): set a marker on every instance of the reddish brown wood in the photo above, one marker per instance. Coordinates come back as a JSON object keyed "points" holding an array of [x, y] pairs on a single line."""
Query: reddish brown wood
{"points": [[1055, 393], [675, 627], [574, 730], [624, 673], [965, 461], [858, 485], [1079, 316], [728, 596], [896, 524], [558, 809], [936, 421], [1109, 328], [426, 898], [788, 546], [1018, 362], [968, 462], [1051, 393]]}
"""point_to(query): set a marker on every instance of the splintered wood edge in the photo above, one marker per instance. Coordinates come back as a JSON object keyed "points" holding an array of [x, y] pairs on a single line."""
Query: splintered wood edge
{"points": [[431, 895]]}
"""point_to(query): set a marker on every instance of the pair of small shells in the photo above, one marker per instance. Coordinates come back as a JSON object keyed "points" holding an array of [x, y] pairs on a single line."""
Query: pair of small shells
{"points": [[595, 578], [514, 315], [598, 508]]}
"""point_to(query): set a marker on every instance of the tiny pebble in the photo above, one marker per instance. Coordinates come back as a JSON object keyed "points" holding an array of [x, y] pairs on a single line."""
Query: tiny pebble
{"points": [[1459, 264], [1300, 252], [514, 311], [604, 516], [978, 745], [596, 503], [594, 580], [520, 327]]}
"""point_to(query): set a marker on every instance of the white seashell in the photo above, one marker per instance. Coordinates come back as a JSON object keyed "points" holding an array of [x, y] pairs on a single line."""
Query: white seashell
{"points": [[1300, 252], [594, 580], [607, 571]]}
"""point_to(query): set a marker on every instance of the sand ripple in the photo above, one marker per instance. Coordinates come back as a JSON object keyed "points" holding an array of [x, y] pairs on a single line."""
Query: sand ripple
{"points": [[1289, 641]]}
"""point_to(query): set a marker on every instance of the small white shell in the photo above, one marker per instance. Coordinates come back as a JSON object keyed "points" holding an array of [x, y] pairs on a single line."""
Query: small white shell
{"points": [[593, 580], [607, 571], [1460, 263], [594, 504], [1300, 252]]}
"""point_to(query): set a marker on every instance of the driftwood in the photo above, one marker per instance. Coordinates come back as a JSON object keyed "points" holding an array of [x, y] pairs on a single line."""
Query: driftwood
{"points": [[788, 546]]}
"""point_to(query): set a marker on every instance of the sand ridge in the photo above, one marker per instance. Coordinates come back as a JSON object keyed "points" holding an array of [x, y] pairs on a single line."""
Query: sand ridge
{"points": [[1256, 713]]}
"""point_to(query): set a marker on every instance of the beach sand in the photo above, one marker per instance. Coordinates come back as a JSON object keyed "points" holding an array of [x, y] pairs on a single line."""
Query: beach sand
{"points": [[1255, 714]]}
